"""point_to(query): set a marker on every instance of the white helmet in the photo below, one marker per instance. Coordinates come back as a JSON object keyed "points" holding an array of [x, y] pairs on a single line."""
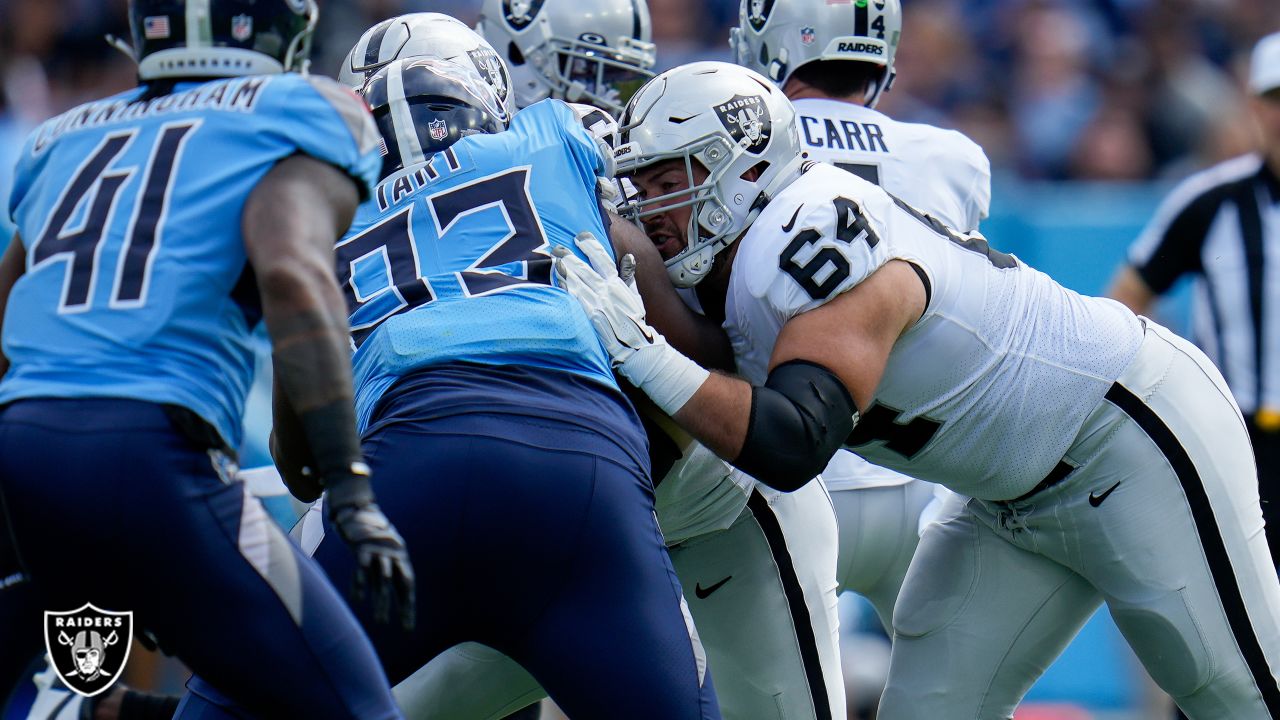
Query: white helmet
{"points": [[590, 51], [730, 120], [426, 35], [774, 37]]}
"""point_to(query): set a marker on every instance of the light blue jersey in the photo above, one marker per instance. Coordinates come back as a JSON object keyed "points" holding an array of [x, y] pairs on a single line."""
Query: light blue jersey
{"points": [[451, 259], [137, 284]]}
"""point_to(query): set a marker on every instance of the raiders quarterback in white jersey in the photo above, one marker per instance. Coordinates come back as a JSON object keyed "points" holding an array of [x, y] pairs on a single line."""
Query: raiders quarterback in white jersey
{"points": [[834, 62], [1103, 457], [757, 565]]}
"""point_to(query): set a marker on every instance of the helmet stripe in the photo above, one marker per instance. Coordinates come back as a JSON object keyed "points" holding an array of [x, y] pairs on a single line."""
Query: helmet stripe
{"points": [[635, 19], [860, 12], [373, 50], [199, 24], [402, 119]]}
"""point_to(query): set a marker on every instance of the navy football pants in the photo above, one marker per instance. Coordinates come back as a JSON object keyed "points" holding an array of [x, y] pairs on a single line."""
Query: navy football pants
{"points": [[535, 537], [110, 504]]}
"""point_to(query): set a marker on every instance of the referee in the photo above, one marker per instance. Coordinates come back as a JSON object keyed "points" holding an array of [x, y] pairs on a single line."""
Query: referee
{"points": [[1223, 226]]}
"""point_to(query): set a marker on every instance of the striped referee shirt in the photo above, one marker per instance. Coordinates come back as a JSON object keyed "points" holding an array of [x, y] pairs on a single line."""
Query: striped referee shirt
{"points": [[1223, 226]]}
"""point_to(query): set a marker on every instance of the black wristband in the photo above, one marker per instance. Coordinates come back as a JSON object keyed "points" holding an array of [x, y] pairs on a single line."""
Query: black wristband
{"points": [[331, 436]]}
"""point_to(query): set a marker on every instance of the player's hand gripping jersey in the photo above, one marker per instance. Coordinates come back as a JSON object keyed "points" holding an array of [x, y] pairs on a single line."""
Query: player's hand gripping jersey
{"points": [[814, 242], [133, 196], [941, 172], [475, 225]]}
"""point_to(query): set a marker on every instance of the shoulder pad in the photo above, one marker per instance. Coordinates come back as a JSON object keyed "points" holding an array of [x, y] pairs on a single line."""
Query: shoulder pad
{"points": [[813, 242]]}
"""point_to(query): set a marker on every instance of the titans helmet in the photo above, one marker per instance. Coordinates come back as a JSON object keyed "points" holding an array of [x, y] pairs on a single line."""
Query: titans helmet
{"points": [[219, 38], [428, 35], [422, 106]]}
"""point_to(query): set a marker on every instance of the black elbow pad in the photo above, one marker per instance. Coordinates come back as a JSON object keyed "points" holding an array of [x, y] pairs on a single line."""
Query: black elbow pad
{"points": [[799, 419]]}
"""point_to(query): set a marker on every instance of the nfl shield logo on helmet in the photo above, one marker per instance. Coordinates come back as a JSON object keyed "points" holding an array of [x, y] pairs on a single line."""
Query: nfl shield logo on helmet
{"points": [[808, 35], [438, 129], [242, 27], [747, 119], [88, 647]]}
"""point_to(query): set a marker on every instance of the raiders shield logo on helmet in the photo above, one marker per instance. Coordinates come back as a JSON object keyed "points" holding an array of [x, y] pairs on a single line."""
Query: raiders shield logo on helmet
{"points": [[88, 647], [519, 13], [747, 119], [758, 13], [490, 67]]}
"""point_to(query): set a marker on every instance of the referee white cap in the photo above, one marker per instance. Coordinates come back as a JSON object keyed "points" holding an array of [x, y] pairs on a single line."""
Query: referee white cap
{"points": [[1264, 67]]}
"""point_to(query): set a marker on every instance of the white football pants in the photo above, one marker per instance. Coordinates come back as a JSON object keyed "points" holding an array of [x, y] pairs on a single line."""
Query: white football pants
{"points": [[879, 531], [1160, 520]]}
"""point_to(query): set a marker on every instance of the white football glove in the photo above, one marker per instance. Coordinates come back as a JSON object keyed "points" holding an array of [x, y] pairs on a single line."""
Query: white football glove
{"points": [[638, 352]]}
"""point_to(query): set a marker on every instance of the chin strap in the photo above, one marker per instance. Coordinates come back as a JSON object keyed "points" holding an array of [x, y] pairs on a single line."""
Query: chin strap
{"points": [[120, 45]]}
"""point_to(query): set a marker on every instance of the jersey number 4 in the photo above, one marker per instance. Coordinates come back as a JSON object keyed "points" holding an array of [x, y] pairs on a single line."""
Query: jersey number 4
{"points": [[828, 263], [81, 246], [391, 244]]}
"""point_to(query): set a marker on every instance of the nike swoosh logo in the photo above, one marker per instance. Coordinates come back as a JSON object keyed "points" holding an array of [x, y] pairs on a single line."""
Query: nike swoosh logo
{"points": [[704, 593], [1096, 500], [792, 222]]}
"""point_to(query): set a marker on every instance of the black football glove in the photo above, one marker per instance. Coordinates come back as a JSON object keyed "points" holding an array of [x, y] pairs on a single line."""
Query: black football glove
{"points": [[382, 561]]}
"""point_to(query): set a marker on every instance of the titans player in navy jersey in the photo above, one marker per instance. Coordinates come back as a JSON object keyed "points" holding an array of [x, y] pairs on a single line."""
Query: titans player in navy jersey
{"points": [[155, 229], [500, 441]]}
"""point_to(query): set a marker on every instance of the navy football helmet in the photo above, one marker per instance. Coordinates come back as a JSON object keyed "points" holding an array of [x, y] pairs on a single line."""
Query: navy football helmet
{"points": [[424, 105], [220, 38]]}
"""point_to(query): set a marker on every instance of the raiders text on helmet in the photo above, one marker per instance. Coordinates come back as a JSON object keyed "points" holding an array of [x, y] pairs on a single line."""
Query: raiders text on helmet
{"points": [[219, 38], [729, 120], [590, 51], [775, 40], [426, 35]]}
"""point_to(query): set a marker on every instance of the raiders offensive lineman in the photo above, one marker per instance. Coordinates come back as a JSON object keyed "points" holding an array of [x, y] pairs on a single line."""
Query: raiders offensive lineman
{"points": [[757, 564], [1105, 458], [834, 62]]}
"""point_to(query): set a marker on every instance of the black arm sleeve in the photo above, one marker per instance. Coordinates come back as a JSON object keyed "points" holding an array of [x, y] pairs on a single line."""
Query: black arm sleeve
{"points": [[799, 419]]}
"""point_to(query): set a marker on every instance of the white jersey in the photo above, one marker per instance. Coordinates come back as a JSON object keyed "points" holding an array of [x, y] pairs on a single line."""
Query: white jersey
{"points": [[988, 389], [940, 172]]}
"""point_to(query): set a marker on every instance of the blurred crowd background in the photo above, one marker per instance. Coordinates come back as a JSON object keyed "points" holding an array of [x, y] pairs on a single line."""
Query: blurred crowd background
{"points": [[1087, 89], [1088, 109]]}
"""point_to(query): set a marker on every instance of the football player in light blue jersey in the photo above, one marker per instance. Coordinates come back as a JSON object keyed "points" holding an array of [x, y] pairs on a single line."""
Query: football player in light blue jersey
{"points": [[156, 228], [498, 435]]}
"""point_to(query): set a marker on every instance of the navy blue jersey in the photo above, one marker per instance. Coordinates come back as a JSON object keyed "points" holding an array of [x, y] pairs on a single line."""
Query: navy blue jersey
{"points": [[137, 284], [451, 259]]}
